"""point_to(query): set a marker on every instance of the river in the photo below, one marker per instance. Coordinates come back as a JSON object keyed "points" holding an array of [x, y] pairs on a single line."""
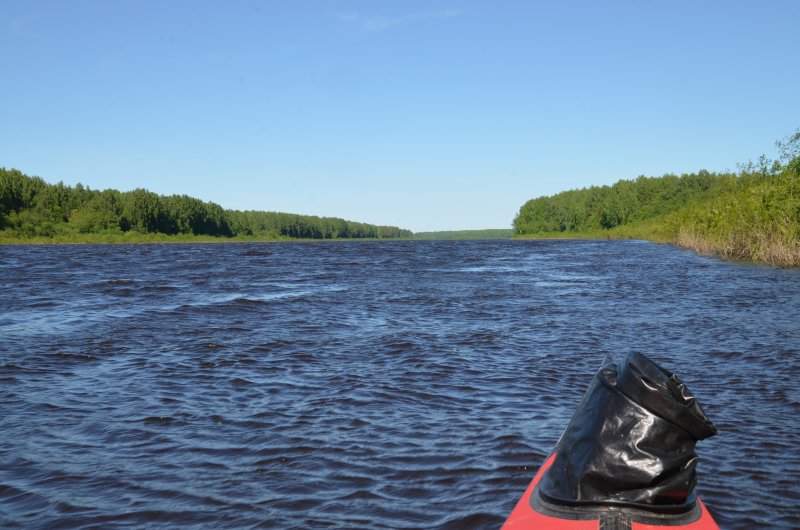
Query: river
{"points": [[368, 385]]}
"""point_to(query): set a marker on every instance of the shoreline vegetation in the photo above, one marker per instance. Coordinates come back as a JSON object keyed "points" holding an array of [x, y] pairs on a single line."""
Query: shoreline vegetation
{"points": [[751, 215], [453, 235], [33, 211]]}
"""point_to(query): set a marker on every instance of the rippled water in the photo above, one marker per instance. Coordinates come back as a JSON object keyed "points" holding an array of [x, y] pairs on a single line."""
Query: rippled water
{"points": [[368, 385]]}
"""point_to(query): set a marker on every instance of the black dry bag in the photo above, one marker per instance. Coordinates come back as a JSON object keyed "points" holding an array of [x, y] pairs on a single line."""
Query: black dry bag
{"points": [[631, 441]]}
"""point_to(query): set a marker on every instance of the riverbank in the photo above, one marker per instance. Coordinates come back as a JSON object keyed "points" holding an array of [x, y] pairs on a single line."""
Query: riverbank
{"points": [[772, 247], [137, 238], [454, 235], [752, 215], [757, 247], [31, 210], [129, 237]]}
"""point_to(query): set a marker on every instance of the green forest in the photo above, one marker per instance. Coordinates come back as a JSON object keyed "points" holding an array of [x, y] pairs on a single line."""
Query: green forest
{"points": [[31, 210], [453, 235], [752, 214]]}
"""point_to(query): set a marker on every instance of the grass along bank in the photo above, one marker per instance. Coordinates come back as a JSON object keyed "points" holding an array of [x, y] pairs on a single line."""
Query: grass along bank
{"points": [[752, 215]]}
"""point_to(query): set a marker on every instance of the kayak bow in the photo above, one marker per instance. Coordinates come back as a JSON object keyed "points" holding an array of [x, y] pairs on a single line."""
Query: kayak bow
{"points": [[526, 515], [626, 460]]}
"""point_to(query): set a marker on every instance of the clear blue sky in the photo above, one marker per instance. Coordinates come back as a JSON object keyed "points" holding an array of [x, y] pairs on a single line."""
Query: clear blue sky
{"points": [[429, 115]]}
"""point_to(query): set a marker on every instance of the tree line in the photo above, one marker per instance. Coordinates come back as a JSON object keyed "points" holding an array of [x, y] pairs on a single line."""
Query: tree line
{"points": [[456, 235], [752, 214], [30, 207], [251, 222], [627, 201]]}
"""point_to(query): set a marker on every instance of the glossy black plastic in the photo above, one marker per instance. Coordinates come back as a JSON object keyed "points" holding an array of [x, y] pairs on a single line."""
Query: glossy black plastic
{"points": [[631, 442]]}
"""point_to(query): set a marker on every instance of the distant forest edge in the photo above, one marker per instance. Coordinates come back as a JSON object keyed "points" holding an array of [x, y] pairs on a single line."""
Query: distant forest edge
{"points": [[490, 233], [751, 215], [33, 210]]}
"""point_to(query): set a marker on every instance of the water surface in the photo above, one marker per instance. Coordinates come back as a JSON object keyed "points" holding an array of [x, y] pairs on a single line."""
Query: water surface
{"points": [[368, 385]]}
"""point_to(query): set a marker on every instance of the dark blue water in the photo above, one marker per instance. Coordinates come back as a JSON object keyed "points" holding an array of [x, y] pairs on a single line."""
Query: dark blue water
{"points": [[368, 385]]}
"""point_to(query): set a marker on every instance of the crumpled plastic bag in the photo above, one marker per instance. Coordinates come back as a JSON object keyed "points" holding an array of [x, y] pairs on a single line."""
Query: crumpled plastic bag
{"points": [[631, 440]]}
